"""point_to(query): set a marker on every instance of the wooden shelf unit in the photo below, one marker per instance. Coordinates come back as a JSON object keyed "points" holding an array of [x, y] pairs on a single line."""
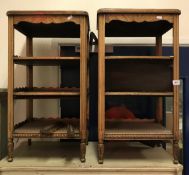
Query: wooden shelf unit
{"points": [[47, 24], [138, 75]]}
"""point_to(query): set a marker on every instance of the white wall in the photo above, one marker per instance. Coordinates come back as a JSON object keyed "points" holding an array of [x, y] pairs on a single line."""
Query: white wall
{"points": [[88, 5]]}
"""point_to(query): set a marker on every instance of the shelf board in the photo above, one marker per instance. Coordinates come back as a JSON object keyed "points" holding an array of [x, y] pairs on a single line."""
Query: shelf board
{"points": [[44, 94], [140, 57], [129, 130], [140, 93], [42, 60], [44, 127]]}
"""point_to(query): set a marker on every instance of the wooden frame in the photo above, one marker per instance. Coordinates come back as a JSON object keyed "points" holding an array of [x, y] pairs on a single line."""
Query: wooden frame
{"points": [[147, 23], [43, 24]]}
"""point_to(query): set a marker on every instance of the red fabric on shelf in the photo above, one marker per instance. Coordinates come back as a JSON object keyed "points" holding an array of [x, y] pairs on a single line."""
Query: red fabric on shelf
{"points": [[119, 112]]}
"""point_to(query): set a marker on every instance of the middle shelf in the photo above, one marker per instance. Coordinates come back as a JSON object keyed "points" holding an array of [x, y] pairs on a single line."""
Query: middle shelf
{"points": [[139, 93], [43, 60], [38, 92], [139, 57]]}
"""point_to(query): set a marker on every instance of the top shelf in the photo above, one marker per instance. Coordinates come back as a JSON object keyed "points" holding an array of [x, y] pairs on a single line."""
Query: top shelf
{"points": [[49, 24], [139, 11], [73, 12], [137, 22]]}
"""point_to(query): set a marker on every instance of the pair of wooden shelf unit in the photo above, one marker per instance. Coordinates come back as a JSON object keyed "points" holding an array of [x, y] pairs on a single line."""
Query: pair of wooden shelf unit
{"points": [[155, 76]]}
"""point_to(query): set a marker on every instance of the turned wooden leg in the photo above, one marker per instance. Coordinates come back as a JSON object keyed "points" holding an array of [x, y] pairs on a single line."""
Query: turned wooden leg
{"points": [[100, 153], [10, 150], [82, 151], [176, 151], [29, 142]]}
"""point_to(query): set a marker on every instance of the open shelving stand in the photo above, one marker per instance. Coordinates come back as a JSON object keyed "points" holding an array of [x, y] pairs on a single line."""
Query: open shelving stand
{"points": [[125, 75], [47, 24]]}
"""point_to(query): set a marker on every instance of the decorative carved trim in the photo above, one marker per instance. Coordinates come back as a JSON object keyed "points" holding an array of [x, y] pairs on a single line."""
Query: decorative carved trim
{"points": [[47, 19], [47, 135], [139, 17], [113, 136]]}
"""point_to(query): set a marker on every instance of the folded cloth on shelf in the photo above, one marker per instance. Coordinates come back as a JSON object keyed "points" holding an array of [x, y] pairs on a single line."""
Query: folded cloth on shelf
{"points": [[119, 112]]}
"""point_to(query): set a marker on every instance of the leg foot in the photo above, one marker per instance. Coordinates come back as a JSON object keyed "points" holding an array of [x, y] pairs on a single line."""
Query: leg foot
{"points": [[10, 150], [82, 151], [176, 152], [100, 153]]}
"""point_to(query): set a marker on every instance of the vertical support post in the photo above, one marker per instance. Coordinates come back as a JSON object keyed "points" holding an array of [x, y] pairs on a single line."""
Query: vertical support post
{"points": [[29, 79], [10, 88], [88, 106], [159, 103], [101, 86], [83, 86], [176, 88]]}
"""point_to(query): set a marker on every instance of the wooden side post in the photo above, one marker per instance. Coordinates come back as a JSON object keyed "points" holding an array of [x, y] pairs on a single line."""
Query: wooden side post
{"points": [[159, 103], [83, 86], [10, 88], [29, 79], [101, 86], [176, 88]]}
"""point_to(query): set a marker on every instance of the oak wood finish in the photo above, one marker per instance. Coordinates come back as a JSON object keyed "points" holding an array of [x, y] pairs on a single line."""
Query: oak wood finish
{"points": [[159, 103], [176, 88], [137, 11], [83, 87], [66, 24], [10, 89], [114, 70], [101, 87]]}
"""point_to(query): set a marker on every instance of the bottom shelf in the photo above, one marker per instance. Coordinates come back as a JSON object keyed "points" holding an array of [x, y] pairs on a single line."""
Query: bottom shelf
{"points": [[136, 130], [45, 128]]}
